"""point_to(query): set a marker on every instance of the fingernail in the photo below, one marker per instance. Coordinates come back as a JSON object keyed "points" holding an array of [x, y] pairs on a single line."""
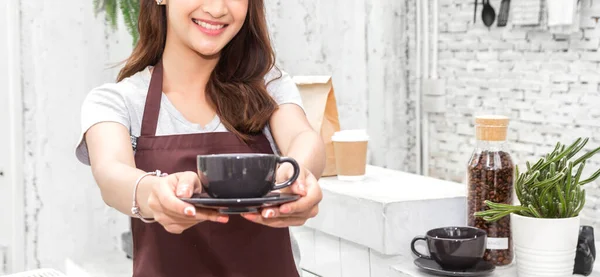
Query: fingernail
{"points": [[269, 214], [222, 219], [301, 187], [191, 211], [284, 209], [182, 190]]}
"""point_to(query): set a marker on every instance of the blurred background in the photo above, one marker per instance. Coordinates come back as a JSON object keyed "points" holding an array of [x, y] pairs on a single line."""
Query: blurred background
{"points": [[412, 75]]}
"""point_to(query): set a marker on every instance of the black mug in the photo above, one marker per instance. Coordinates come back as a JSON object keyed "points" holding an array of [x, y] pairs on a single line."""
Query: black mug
{"points": [[454, 248], [242, 175]]}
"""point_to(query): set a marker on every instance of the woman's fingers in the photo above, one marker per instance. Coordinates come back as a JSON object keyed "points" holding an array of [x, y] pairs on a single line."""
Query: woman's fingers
{"points": [[306, 203], [165, 192], [174, 214], [275, 222], [187, 183], [270, 212], [211, 215]]}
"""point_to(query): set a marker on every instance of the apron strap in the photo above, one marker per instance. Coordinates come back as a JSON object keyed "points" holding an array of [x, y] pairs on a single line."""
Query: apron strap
{"points": [[153, 98]]}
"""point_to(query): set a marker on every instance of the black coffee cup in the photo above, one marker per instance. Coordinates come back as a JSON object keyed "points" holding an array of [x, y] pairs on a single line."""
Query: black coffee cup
{"points": [[453, 248], [242, 175]]}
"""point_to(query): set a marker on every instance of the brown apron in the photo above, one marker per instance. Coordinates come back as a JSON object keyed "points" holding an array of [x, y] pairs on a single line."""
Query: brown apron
{"points": [[235, 249]]}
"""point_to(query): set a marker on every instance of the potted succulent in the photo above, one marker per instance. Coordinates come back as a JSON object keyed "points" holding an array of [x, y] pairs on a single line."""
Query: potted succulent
{"points": [[545, 223]]}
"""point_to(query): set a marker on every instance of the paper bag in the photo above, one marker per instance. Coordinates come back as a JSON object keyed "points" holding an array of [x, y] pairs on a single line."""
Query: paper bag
{"points": [[319, 103]]}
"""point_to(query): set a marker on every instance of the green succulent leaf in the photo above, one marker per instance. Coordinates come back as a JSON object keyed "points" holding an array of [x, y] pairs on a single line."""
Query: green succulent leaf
{"points": [[550, 188]]}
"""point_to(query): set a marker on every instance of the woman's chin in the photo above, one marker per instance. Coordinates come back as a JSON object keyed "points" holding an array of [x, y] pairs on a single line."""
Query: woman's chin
{"points": [[209, 51]]}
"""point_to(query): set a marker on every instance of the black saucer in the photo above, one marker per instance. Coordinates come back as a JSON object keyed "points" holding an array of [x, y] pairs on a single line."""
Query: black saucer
{"points": [[241, 205], [480, 269]]}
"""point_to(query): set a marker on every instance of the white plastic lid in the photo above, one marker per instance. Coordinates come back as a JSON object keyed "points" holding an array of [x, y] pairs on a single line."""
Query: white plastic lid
{"points": [[351, 135]]}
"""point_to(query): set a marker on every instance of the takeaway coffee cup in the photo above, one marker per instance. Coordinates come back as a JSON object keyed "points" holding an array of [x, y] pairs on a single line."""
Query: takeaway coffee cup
{"points": [[242, 175], [454, 248], [350, 148]]}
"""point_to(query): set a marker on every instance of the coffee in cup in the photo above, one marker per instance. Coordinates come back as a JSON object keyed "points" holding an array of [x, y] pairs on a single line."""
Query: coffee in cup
{"points": [[453, 248], [242, 175], [350, 148]]}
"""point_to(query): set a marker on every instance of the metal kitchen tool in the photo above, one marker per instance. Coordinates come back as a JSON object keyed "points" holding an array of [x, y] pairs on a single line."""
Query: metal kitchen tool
{"points": [[488, 15], [475, 12], [503, 13]]}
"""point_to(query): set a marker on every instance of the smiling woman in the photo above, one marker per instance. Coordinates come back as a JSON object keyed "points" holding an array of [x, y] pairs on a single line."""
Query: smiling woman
{"points": [[209, 34], [201, 80], [240, 51]]}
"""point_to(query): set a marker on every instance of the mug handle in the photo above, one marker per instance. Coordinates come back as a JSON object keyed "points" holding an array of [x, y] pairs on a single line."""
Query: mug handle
{"points": [[294, 176], [412, 247]]}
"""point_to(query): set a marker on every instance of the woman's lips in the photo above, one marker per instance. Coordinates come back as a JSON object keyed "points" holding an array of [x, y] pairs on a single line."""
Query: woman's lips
{"points": [[210, 28]]}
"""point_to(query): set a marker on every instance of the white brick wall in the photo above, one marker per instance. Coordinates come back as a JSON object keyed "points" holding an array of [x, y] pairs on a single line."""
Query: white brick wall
{"points": [[61, 62], [546, 83], [363, 46]]}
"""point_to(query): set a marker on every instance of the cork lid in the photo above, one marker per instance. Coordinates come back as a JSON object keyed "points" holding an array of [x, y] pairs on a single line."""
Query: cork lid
{"points": [[491, 127], [492, 120]]}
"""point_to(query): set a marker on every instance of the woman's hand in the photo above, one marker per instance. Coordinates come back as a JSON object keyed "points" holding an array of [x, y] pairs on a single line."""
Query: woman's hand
{"points": [[294, 213], [173, 214]]}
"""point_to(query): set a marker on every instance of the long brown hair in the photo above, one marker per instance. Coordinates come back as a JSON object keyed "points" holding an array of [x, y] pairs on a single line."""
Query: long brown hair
{"points": [[236, 87]]}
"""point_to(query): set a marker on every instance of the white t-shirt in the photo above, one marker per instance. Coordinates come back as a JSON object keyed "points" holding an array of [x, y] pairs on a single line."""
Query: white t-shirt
{"points": [[124, 102]]}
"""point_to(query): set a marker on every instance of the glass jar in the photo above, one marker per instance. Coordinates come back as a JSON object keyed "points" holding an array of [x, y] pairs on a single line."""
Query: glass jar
{"points": [[490, 176]]}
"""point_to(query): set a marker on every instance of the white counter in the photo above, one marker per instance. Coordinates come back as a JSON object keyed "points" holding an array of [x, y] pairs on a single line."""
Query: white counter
{"points": [[364, 228], [408, 268], [387, 209]]}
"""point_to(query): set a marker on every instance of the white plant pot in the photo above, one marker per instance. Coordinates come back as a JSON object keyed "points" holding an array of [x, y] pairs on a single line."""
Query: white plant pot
{"points": [[544, 247]]}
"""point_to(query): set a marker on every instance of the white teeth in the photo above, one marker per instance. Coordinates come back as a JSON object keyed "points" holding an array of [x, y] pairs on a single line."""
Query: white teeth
{"points": [[207, 25]]}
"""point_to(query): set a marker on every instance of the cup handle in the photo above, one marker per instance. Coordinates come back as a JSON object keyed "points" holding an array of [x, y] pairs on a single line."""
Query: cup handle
{"points": [[294, 176], [412, 247]]}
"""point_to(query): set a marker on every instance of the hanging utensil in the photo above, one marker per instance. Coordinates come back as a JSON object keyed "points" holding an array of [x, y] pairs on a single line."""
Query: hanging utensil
{"points": [[503, 14], [488, 15], [475, 12]]}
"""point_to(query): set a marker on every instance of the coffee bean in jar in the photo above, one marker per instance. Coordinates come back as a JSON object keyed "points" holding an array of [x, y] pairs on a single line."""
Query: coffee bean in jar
{"points": [[490, 177]]}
